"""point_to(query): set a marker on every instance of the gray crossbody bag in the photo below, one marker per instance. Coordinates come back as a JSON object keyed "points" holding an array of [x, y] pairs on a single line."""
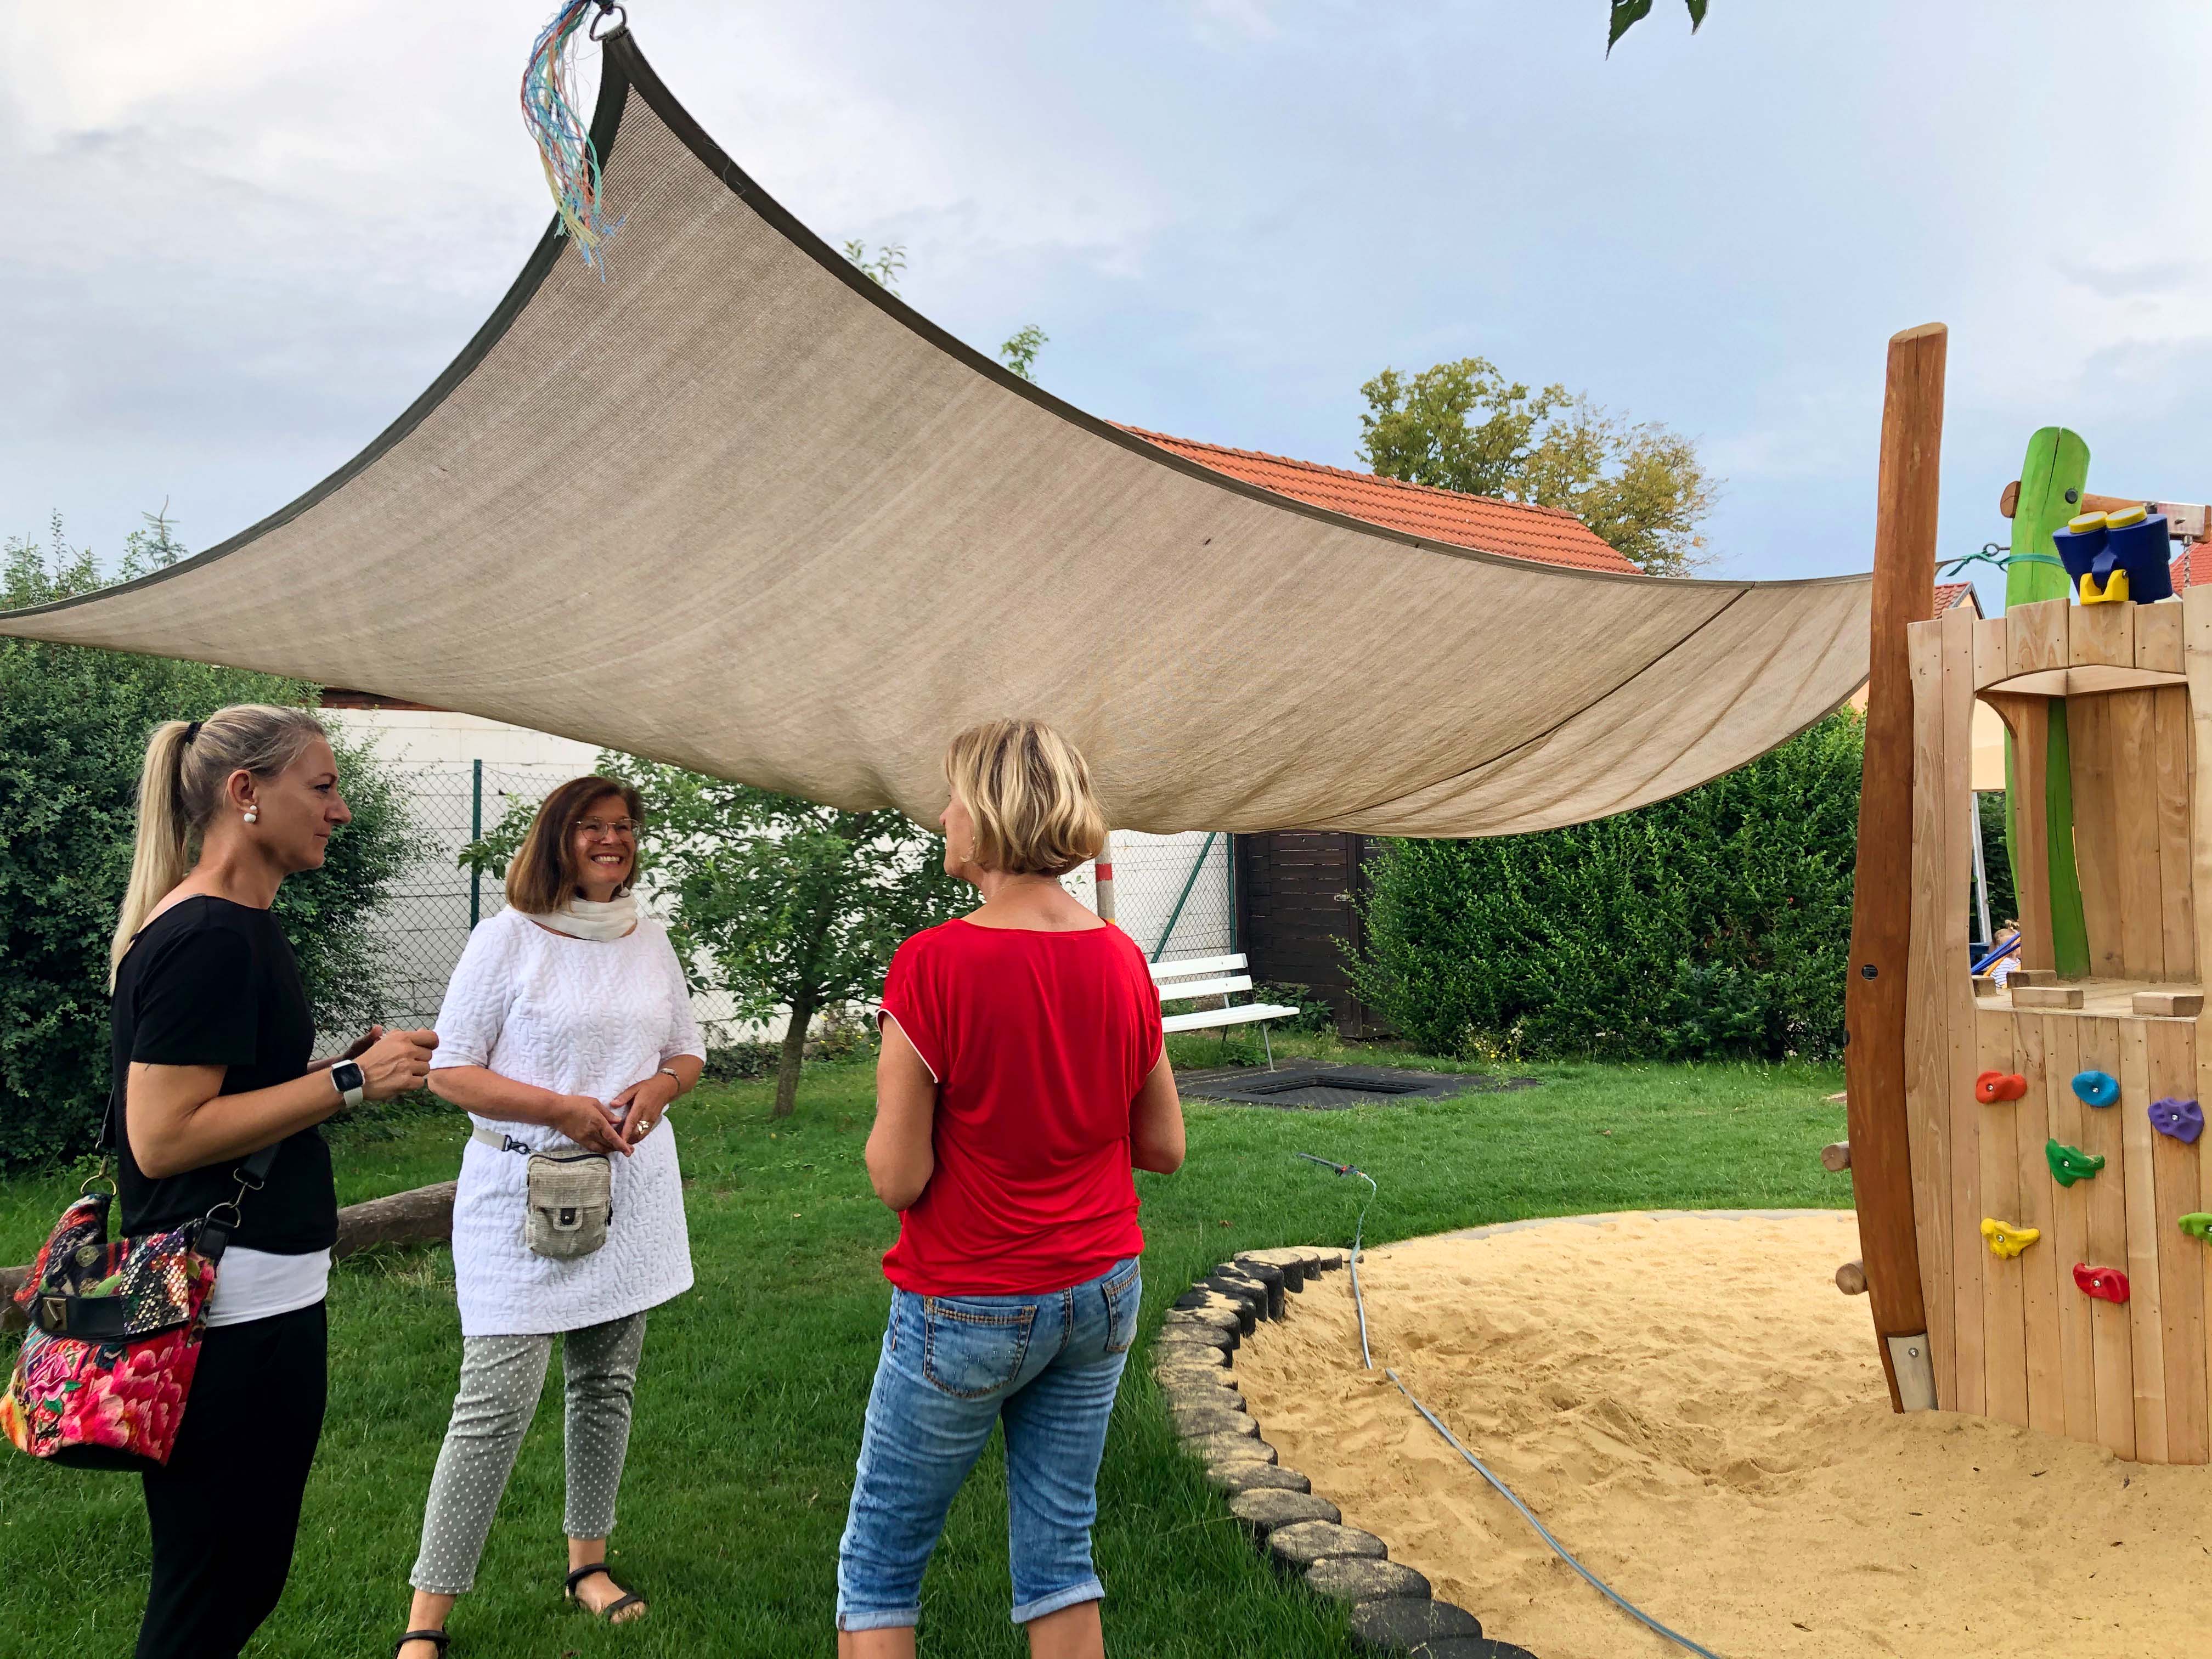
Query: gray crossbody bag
{"points": [[568, 1200]]}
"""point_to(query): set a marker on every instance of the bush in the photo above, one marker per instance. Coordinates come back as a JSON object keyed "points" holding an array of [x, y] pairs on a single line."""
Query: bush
{"points": [[73, 729], [1715, 924]]}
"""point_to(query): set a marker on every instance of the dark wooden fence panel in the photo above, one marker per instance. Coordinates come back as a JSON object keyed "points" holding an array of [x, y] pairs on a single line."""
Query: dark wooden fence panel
{"points": [[1294, 902]]}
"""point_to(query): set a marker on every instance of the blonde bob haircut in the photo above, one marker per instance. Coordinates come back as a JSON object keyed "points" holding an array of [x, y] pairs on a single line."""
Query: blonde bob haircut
{"points": [[1029, 794]]}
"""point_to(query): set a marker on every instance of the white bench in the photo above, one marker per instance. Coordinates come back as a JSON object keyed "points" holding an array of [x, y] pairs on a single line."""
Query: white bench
{"points": [[1215, 976]]}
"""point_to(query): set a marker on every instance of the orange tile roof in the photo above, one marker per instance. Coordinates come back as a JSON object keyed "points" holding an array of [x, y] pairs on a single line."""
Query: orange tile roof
{"points": [[1515, 529], [1950, 593], [2192, 566]]}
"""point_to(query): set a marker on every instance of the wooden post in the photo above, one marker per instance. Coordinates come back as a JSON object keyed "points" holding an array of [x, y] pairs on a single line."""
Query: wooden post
{"points": [[1881, 902]]}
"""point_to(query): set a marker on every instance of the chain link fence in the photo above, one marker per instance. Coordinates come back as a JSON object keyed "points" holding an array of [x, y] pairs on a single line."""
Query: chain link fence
{"points": [[1173, 892]]}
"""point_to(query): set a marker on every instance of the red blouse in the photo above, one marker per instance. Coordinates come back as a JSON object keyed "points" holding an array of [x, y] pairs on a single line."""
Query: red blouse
{"points": [[1039, 1042]]}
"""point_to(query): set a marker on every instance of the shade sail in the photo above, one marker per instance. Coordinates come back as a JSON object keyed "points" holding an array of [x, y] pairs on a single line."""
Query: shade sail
{"points": [[739, 508]]}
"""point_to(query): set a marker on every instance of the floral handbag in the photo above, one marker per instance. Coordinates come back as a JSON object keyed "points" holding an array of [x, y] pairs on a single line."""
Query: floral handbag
{"points": [[115, 1328]]}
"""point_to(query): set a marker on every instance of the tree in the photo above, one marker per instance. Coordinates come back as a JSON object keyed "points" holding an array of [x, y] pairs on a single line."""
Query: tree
{"points": [[1463, 426], [73, 728], [1020, 352], [799, 907], [1626, 14]]}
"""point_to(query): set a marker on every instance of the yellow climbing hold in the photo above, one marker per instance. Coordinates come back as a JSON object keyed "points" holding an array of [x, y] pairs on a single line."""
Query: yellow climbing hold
{"points": [[2113, 590], [2008, 1242]]}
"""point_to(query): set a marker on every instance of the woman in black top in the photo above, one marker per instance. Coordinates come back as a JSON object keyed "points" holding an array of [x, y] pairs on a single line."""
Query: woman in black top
{"points": [[212, 1044]]}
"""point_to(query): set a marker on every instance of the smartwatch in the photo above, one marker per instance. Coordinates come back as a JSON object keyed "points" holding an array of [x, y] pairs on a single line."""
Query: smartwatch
{"points": [[352, 1086]]}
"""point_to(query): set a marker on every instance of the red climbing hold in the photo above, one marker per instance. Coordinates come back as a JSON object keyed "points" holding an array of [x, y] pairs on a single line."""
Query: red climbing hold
{"points": [[2106, 1284], [1992, 1087]]}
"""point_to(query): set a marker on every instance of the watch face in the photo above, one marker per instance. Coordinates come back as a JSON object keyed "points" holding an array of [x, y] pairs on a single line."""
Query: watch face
{"points": [[347, 1076]]}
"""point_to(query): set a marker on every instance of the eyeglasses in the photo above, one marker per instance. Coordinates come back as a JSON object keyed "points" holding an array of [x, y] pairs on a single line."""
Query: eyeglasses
{"points": [[595, 828]]}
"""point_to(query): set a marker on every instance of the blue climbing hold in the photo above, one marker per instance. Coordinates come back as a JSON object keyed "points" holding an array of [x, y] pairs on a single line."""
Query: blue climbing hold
{"points": [[2096, 1088]]}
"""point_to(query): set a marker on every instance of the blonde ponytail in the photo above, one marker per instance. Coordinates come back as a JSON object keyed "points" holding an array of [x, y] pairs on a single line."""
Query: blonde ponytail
{"points": [[179, 787]]}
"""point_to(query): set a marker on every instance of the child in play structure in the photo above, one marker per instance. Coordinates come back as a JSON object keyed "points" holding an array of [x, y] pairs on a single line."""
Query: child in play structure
{"points": [[1024, 1073]]}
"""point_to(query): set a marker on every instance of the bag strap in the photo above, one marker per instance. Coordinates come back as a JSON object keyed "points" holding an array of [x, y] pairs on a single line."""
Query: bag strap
{"points": [[251, 1175], [485, 1137]]}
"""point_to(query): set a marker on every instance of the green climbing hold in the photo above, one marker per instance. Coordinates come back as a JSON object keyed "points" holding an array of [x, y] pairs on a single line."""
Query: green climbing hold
{"points": [[2070, 1164], [2197, 1225]]}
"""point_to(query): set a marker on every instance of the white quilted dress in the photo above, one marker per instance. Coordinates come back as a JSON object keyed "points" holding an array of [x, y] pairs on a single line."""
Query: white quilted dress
{"points": [[580, 1017]]}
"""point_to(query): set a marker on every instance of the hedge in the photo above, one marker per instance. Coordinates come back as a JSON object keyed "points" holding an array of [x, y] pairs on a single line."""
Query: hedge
{"points": [[1714, 924], [73, 729]]}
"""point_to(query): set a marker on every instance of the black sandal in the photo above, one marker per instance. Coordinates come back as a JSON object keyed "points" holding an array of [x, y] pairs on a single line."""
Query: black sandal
{"points": [[439, 1637], [605, 1615]]}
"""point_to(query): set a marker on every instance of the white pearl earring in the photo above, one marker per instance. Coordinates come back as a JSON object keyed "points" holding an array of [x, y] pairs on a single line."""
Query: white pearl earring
{"points": [[253, 815]]}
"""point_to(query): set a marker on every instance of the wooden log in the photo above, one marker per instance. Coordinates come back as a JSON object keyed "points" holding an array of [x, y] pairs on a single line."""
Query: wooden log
{"points": [[1928, 1080], [420, 1217], [2173, 1048], [2004, 1316], [2173, 768], [2103, 634], [2135, 810], [2027, 727], [2158, 637], [1837, 1156], [2169, 1004], [2033, 1185], [2111, 1342], [2096, 828], [1851, 1280], [2146, 1300], [2036, 635], [2047, 996], [1875, 992], [1992, 656], [2191, 520], [2069, 1234], [1985, 985]]}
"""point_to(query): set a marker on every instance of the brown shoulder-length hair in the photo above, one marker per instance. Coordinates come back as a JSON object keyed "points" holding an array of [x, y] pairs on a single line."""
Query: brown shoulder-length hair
{"points": [[544, 875]]}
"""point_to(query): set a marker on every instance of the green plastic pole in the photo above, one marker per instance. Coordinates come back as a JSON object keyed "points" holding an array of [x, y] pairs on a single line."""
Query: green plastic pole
{"points": [[476, 834], [1183, 898], [2052, 479]]}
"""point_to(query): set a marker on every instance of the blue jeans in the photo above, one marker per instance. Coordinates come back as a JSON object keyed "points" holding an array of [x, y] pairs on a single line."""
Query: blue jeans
{"points": [[1046, 1366]]}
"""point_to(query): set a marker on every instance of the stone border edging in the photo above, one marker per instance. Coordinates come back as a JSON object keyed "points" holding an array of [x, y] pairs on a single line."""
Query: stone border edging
{"points": [[1392, 1609], [423, 1215]]}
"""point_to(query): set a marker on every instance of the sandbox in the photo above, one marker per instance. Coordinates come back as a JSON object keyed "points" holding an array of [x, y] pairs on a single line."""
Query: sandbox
{"points": [[1696, 1413]]}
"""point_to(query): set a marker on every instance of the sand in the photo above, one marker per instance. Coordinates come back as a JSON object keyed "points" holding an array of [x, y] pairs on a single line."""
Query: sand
{"points": [[1696, 1412]]}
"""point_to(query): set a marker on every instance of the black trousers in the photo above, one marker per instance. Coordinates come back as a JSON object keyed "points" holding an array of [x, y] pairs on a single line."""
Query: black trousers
{"points": [[226, 1511]]}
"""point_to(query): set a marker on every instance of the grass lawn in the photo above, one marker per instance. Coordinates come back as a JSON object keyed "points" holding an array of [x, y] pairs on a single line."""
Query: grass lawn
{"points": [[749, 1409]]}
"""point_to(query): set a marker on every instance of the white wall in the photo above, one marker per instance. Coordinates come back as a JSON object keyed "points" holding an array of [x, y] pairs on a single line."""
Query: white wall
{"points": [[426, 922]]}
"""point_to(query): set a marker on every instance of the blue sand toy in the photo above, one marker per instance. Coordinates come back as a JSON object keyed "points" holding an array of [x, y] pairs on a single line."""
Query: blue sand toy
{"points": [[2115, 556]]}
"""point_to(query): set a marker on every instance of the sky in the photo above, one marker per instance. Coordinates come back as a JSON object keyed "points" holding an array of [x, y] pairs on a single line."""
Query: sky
{"points": [[245, 235]]}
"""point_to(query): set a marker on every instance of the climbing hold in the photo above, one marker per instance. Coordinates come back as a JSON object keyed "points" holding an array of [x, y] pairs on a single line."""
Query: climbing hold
{"points": [[2106, 1284], [2197, 1225], [1993, 1086], [2096, 1088], [2008, 1242], [2070, 1164], [2182, 1119]]}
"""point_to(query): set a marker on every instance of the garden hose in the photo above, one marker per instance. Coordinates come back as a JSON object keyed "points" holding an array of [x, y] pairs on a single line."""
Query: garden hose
{"points": [[1543, 1532]]}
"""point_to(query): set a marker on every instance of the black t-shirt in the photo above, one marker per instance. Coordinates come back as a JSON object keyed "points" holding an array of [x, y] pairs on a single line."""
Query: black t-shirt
{"points": [[208, 982]]}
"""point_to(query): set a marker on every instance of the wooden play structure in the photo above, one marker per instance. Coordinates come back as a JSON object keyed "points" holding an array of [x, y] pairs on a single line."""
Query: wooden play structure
{"points": [[2033, 1196]]}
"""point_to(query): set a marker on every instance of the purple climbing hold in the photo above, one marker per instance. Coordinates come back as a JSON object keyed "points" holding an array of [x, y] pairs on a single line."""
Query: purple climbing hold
{"points": [[2182, 1119]]}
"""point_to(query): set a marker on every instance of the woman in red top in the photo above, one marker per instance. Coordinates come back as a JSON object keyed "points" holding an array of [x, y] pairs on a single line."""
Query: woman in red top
{"points": [[1024, 1075]]}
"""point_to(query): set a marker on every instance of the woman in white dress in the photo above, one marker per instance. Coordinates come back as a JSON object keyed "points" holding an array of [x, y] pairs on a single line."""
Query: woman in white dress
{"points": [[567, 1030]]}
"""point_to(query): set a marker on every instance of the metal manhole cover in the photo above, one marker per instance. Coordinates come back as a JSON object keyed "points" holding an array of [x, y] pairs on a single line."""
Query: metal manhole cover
{"points": [[1332, 1085]]}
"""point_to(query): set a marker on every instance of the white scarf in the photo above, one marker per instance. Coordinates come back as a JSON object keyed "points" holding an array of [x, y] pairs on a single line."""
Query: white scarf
{"points": [[583, 918]]}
